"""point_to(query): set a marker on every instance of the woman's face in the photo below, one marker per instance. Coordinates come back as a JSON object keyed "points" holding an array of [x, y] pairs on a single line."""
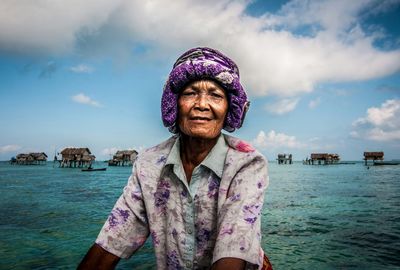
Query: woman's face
{"points": [[202, 107]]}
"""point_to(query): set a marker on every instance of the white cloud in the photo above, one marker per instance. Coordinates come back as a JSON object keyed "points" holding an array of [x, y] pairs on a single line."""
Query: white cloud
{"points": [[9, 148], [282, 106], [109, 151], [314, 103], [380, 123], [81, 68], [314, 139], [274, 140], [354, 134], [273, 57], [82, 98], [378, 134]]}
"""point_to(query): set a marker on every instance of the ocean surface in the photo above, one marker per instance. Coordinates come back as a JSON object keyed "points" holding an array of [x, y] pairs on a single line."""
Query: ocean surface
{"points": [[314, 217]]}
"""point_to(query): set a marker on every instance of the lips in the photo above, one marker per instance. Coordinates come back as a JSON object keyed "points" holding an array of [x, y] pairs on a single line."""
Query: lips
{"points": [[200, 118]]}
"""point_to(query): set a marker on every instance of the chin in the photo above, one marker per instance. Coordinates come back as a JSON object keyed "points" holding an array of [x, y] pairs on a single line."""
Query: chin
{"points": [[202, 134]]}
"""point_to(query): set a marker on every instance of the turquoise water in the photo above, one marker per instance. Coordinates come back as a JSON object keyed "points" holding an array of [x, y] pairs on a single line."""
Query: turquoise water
{"points": [[315, 217]]}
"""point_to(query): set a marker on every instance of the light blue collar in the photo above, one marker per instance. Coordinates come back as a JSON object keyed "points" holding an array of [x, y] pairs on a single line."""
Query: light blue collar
{"points": [[215, 160]]}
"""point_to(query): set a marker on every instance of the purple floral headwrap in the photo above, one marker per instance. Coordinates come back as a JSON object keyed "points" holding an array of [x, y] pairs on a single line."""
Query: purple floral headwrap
{"points": [[204, 63]]}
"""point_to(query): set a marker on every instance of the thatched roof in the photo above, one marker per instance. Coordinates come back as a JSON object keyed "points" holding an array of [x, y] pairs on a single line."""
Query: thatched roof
{"points": [[75, 151], [373, 154], [39, 155], [125, 152], [319, 155], [32, 156], [20, 156], [324, 156]]}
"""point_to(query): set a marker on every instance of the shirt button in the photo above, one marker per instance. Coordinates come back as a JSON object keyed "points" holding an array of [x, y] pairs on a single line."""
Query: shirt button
{"points": [[190, 231], [189, 264], [190, 200]]}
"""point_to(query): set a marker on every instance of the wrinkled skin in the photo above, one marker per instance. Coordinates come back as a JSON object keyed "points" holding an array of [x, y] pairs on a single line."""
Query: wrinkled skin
{"points": [[202, 108]]}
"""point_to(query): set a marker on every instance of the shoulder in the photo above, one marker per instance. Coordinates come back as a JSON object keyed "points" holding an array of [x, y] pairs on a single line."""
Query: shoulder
{"points": [[156, 155], [240, 149], [244, 158], [245, 168]]}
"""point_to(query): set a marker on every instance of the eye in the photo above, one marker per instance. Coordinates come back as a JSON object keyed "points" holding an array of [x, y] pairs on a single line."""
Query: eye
{"points": [[217, 95], [188, 93]]}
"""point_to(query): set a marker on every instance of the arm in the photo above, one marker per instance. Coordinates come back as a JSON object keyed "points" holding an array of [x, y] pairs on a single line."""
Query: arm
{"points": [[98, 258], [229, 263], [124, 232], [239, 225]]}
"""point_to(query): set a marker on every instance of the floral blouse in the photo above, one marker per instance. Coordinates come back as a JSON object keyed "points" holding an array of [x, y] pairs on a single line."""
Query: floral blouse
{"points": [[191, 225]]}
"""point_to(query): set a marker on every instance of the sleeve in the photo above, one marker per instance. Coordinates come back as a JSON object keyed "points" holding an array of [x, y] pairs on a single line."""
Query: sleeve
{"points": [[126, 228], [239, 218]]}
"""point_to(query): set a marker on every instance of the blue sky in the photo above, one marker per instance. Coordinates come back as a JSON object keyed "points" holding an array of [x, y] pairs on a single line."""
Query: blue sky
{"points": [[322, 76]]}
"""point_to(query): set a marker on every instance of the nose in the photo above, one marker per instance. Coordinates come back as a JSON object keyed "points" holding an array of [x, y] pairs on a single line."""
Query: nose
{"points": [[202, 102]]}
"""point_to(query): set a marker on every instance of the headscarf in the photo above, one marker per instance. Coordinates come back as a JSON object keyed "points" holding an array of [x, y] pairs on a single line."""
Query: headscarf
{"points": [[204, 63]]}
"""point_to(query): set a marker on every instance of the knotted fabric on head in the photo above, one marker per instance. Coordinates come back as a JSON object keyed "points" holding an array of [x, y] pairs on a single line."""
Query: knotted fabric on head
{"points": [[204, 63]]}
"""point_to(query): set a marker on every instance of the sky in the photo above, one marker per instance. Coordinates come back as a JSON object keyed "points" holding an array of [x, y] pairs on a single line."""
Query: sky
{"points": [[322, 76]]}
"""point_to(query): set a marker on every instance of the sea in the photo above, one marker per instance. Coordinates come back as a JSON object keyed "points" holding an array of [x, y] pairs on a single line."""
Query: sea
{"points": [[314, 216]]}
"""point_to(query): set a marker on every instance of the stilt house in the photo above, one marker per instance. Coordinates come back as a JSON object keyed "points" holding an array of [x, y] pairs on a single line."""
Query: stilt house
{"points": [[284, 158], [31, 159], [322, 158], [373, 156], [123, 158], [76, 157]]}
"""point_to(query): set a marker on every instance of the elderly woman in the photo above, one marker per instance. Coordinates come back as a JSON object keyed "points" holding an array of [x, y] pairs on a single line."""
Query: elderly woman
{"points": [[199, 195]]}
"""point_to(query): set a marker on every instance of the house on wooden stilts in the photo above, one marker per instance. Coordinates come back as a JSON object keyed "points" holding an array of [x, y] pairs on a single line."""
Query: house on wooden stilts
{"points": [[123, 158], [76, 157], [284, 159], [30, 159], [374, 156], [322, 159]]}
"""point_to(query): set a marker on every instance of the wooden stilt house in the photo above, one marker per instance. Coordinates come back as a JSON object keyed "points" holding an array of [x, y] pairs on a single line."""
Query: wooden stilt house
{"points": [[76, 157], [374, 156], [322, 159], [40, 158], [31, 159], [284, 159], [123, 158]]}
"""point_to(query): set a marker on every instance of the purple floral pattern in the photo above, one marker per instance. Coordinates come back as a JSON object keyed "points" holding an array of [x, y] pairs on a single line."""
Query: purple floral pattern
{"points": [[117, 217], [202, 238], [260, 184], [235, 197], [154, 238], [162, 160], [161, 196], [213, 186], [226, 230], [136, 194], [155, 204], [251, 212], [173, 261], [201, 63]]}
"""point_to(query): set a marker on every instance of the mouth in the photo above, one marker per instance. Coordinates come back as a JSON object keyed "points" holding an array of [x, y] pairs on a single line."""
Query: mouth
{"points": [[200, 119]]}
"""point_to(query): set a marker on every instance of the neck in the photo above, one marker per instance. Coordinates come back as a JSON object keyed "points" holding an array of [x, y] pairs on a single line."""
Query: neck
{"points": [[193, 151]]}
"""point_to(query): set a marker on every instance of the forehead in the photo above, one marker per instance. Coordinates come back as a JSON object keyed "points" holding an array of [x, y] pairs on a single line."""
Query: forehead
{"points": [[205, 84]]}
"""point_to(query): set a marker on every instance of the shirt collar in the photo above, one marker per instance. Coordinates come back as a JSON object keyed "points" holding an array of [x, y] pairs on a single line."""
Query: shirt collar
{"points": [[215, 160], [174, 156]]}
